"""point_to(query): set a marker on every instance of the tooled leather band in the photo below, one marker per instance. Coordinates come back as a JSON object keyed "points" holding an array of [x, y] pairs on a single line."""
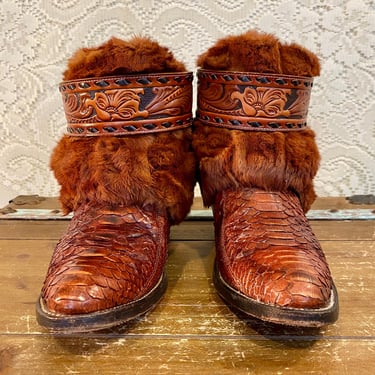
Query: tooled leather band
{"points": [[126, 105], [253, 101]]}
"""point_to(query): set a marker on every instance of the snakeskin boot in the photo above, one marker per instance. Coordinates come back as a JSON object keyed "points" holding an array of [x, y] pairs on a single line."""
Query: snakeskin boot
{"points": [[257, 160], [127, 170]]}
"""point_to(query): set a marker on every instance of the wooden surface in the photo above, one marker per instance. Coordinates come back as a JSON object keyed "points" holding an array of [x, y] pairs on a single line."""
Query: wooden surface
{"points": [[192, 331]]}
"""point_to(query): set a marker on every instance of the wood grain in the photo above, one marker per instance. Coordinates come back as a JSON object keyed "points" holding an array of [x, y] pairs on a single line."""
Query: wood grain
{"points": [[176, 355], [188, 230]]}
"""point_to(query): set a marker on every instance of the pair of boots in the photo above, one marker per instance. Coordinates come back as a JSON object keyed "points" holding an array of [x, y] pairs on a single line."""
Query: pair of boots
{"points": [[129, 162]]}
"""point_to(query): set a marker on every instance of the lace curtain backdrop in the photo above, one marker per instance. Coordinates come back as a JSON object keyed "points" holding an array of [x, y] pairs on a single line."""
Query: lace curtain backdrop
{"points": [[38, 36]]}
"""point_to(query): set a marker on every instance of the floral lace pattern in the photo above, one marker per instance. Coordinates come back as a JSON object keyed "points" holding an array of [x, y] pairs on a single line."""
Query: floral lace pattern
{"points": [[38, 37]]}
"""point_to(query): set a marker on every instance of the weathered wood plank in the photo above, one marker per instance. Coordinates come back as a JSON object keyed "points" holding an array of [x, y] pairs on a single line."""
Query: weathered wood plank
{"points": [[333, 214], [52, 203], [187, 231], [178, 355]]}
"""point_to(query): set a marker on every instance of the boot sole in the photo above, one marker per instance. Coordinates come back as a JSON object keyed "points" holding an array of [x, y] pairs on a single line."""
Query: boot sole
{"points": [[101, 319], [294, 317]]}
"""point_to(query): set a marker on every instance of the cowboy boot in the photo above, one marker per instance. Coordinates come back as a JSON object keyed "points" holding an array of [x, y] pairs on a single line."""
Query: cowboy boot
{"points": [[257, 159], [127, 171]]}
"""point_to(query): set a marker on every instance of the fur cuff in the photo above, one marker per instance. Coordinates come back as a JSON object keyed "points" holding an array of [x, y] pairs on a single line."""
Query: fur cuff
{"points": [[270, 161], [156, 170]]}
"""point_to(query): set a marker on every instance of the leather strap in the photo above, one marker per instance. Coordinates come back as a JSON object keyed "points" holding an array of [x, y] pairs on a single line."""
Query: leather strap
{"points": [[253, 101], [127, 105]]}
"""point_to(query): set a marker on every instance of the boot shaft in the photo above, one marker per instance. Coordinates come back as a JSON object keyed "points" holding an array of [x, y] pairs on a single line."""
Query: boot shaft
{"points": [[129, 135]]}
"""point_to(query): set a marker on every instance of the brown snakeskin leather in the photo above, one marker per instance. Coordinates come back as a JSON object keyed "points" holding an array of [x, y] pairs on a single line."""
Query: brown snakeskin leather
{"points": [[267, 251], [107, 258]]}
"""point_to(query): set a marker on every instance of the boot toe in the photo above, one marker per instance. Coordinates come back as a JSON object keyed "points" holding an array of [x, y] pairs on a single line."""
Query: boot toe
{"points": [[269, 262], [289, 289], [107, 269], [68, 299], [295, 294]]}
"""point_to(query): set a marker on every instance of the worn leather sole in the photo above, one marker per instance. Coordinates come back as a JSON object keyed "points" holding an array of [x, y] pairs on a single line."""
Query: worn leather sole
{"points": [[277, 314], [100, 320]]}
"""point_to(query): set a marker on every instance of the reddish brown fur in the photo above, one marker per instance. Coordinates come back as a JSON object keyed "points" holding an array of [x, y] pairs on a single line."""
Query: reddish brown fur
{"points": [[258, 52], [156, 169], [138, 55], [271, 161]]}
